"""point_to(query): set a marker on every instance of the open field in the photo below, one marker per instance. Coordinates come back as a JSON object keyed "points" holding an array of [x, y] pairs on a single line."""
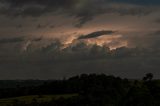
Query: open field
{"points": [[33, 98]]}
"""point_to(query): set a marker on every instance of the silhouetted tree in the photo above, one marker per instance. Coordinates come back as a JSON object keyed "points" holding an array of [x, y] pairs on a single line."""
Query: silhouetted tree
{"points": [[148, 77]]}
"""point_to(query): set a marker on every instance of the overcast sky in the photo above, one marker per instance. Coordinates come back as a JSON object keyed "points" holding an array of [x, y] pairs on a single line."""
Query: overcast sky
{"points": [[67, 18], [33, 25]]}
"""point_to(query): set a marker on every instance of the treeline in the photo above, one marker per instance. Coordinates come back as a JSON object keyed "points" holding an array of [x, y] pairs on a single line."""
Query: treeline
{"points": [[93, 90], [77, 84]]}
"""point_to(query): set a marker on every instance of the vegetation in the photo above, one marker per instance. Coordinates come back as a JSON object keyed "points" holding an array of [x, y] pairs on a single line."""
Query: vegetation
{"points": [[33, 98], [86, 90]]}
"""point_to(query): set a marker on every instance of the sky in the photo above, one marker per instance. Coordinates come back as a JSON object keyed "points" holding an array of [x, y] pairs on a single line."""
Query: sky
{"points": [[49, 39]]}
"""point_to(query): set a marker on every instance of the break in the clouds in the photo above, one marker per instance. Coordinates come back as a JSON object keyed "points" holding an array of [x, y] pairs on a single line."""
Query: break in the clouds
{"points": [[55, 38]]}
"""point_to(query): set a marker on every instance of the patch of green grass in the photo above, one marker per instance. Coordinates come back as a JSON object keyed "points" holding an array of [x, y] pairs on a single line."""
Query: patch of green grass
{"points": [[31, 98]]}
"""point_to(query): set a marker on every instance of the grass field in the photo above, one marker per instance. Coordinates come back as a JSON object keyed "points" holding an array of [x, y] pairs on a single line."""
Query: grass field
{"points": [[31, 98]]}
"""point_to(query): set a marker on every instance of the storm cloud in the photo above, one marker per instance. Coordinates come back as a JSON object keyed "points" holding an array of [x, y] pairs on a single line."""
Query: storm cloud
{"points": [[46, 39], [96, 34], [84, 10], [11, 40], [53, 62]]}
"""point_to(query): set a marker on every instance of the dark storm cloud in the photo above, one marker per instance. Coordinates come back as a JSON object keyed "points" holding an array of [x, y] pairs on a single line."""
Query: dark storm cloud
{"points": [[157, 21], [138, 2], [52, 62], [30, 57], [19, 26], [52, 26], [33, 7], [83, 20], [17, 40], [41, 26], [154, 39], [96, 34], [37, 39], [84, 10], [149, 40], [11, 40]]}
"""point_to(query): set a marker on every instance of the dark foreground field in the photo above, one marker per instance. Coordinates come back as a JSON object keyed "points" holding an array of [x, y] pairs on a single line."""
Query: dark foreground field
{"points": [[83, 90], [33, 99]]}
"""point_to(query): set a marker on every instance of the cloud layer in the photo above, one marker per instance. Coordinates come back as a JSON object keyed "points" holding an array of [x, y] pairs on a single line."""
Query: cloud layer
{"points": [[54, 38], [84, 10]]}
